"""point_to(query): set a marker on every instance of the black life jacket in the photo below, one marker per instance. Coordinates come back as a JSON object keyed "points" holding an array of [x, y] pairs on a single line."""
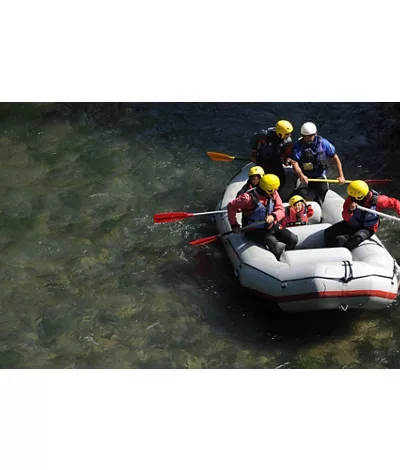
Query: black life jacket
{"points": [[268, 144]]}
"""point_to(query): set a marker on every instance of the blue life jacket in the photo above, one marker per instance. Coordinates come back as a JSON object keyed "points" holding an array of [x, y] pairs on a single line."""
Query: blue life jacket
{"points": [[313, 159], [261, 211], [363, 219]]}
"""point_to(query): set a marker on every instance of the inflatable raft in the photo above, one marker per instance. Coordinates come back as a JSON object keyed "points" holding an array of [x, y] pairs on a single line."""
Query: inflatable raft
{"points": [[311, 277]]}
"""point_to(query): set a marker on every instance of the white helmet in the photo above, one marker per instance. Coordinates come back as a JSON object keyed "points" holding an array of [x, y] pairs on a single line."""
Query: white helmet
{"points": [[308, 128]]}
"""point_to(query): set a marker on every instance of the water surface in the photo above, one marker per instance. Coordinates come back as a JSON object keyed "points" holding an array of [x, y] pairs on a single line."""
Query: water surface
{"points": [[89, 281]]}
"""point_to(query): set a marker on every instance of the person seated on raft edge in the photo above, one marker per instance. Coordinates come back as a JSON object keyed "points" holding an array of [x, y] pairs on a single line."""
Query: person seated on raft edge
{"points": [[298, 213], [255, 175], [310, 159], [358, 225], [263, 203]]}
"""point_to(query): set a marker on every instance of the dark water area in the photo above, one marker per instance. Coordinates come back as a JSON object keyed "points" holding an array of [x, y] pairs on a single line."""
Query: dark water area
{"points": [[87, 279]]}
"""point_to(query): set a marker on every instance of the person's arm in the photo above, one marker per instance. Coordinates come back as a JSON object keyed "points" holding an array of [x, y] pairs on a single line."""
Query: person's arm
{"points": [[348, 208], [338, 165], [233, 207], [286, 153], [285, 220], [257, 140], [309, 211], [295, 161], [331, 153], [279, 211], [296, 167], [385, 202]]}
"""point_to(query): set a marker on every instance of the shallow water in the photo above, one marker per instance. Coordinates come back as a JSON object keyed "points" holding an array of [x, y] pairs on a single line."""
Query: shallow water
{"points": [[89, 281]]}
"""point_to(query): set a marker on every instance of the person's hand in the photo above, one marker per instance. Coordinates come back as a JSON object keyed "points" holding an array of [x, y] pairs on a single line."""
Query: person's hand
{"points": [[269, 219], [236, 228], [310, 210], [341, 179], [352, 206], [304, 179]]}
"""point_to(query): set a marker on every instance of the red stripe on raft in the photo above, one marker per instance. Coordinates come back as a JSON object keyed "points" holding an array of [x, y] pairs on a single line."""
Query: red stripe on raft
{"points": [[329, 294]]}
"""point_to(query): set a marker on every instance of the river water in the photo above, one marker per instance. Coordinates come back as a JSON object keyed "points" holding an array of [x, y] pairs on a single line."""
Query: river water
{"points": [[89, 281]]}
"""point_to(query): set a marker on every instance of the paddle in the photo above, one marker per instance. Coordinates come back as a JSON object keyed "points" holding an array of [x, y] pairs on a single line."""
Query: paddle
{"points": [[322, 180], [223, 157], [213, 238], [381, 214], [176, 216]]}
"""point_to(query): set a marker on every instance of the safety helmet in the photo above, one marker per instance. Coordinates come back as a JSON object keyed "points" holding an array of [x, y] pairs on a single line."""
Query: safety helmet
{"points": [[256, 170], [358, 189], [283, 127], [269, 183], [294, 199], [308, 128]]}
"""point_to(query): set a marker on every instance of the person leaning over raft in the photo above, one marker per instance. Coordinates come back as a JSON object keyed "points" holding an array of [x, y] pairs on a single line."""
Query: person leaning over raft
{"points": [[271, 147], [358, 225], [255, 175], [263, 203], [297, 213], [310, 159]]}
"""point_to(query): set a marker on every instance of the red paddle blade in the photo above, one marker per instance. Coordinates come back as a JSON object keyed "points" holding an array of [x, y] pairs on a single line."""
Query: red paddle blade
{"points": [[171, 217], [204, 241], [379, 181]]}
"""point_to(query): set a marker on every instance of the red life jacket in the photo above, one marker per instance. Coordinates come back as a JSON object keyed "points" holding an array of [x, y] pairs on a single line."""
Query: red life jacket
{"points": [[296, 218]]}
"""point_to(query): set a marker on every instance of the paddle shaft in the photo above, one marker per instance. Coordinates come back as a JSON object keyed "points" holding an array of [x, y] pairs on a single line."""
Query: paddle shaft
{"points": [[244, 229], [178, 216], [323, 180], [213, 238], [244, 159], [381, 214], [208, 213]]}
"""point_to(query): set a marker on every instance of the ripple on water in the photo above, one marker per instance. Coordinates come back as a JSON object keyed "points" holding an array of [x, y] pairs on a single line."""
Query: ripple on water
{"points": [[88, 279]]}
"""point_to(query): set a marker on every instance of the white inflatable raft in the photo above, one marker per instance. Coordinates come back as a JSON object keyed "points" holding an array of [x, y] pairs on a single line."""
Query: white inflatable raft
{"points": [[311, 277]]}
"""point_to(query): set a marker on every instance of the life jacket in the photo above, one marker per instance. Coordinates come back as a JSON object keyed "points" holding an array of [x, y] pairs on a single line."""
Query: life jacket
{"points": [[262, 206], [267, 143], [293, 219], [363, 219], [313, 158]]}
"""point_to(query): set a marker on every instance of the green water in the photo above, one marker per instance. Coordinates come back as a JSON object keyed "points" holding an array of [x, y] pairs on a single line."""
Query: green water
{"points": [[89, 281]]}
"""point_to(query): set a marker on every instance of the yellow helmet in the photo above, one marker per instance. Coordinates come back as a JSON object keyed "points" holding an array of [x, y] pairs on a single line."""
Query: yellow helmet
{"points": [[269, 183], [283, 127], [256, 170], [358, 189], [294, 199]]}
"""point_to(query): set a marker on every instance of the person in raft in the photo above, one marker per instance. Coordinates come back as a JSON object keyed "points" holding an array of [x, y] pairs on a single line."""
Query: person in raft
{"points": [[358, 225], [263, 203], [311, 158], [298, 212], [272, 147], [255, 174]]}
